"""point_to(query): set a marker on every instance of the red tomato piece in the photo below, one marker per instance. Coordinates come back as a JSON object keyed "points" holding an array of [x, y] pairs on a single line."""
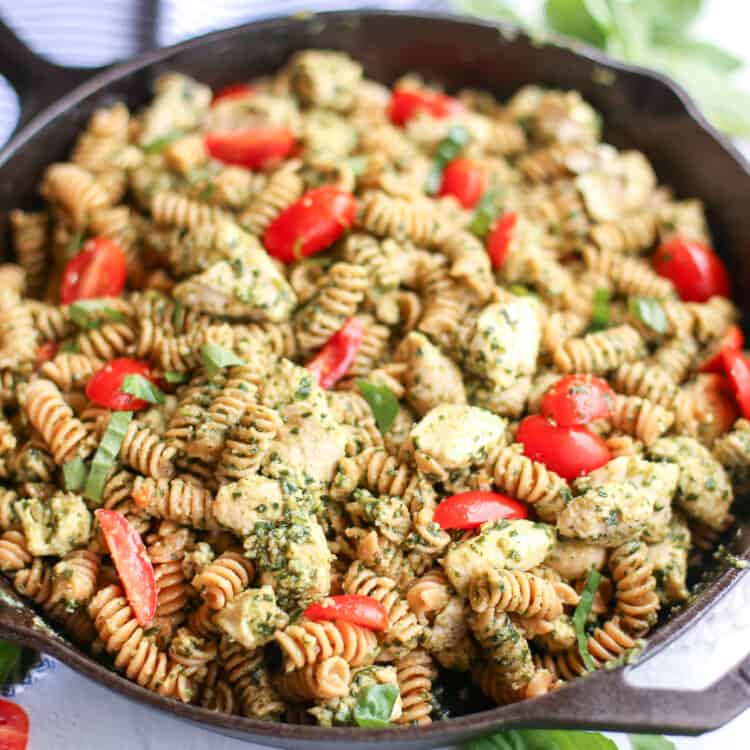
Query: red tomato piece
{"points": [[131, 562], [731, 340], [568, 451], [578, 399], [467, 510], [233, 91], [716, 406], [104, 388], [465, 180], [330, 364], [14, 726], [406, 103], [360, 610], [498, 240], [254, 148], [311, 224], [44, 354], [99, 270], [737, 367], [696, 271]]}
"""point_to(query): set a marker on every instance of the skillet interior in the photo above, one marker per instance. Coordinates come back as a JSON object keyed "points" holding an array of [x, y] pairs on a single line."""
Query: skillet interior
{"points": [[640, 110]]}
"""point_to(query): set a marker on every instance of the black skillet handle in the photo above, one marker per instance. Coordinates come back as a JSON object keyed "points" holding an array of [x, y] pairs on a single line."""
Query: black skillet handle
{"points": [[609, 702], [37, 81]]}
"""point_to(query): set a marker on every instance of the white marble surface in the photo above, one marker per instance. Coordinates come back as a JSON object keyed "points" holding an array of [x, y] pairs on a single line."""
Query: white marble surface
{"points": [[68, 712]]}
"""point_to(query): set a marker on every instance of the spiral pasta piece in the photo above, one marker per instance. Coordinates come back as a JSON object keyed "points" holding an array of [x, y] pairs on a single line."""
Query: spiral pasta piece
{"points": [[173, 209], [641, 418], [630, 276], [487, 676], [14, 552], [320, 681], [221, 580], [69, 371], [284, 187], [106, 343], [600, 352], [415, 673], [143, 450], [400, 219], [429, 594], [30, 242], [635, 587], [186, 502], [75, 190], [629, 235], [74, 577]]}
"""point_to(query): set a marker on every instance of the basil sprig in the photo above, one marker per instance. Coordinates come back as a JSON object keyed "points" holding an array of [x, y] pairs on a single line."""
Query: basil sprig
{"points": [[142, 388], [374, 705], [383, 403], [216, 358], [581, 615]]}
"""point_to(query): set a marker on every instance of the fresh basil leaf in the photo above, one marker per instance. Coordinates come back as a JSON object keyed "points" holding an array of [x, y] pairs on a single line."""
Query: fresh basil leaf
{"points": [[541, 739], [216, 357], [600, 313], [581, 615], [650, 312], [450, 147], [70, 347], [485, 214], [10, 661], [383, 403], [87, 313], [107, 454], [374, 705], [678, 47], [74, 473], [495, 10], [628, 32], [159, 144], [142, 388], [650, 742], [573, 18], [175, 377]]}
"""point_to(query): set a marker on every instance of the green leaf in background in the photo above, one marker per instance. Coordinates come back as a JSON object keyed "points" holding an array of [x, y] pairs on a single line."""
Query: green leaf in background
{"points": [[650, 742], [650, 312], [573, 18], [495, 10], [682, 47], [541, 739], [582, 613], [374, 705], [74, 474], [140, 387], [383, 403], [10, 662], [673, 15]]}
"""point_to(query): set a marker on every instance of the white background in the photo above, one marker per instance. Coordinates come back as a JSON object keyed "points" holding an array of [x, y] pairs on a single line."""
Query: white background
{"points": [[69, 713]]}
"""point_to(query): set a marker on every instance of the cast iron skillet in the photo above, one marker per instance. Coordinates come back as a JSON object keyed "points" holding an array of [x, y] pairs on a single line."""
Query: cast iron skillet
{"points": [[641, 110]]}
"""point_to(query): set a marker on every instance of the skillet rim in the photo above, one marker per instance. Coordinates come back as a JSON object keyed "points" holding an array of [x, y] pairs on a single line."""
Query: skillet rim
{"points": [[474, 723]]}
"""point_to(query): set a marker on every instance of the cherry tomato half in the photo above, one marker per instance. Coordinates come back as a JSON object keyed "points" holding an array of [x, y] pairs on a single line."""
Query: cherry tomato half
{"points": [[737, 367], [695, 270], [568, 451], [467, 510], [131, 562], [14, 726], [45, 353], [465, 180], [104, 388], [578, 399], [233, 91], [406, 103], [254, 148], [732, 340], [330, 364], [99, 270], [498, 240], [311, 224], [715, 405], [361, 610]]}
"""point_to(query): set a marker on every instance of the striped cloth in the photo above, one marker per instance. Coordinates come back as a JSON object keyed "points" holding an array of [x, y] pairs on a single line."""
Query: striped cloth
{"points": [[85, 34]]}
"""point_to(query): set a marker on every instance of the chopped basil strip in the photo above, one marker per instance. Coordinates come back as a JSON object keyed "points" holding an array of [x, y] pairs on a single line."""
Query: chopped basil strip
{"points": [[159, 144], [374, 705], [450, 147], [140, 387], [383, 403], [600, 315], [74, 473], [650, 312], [70, 347], [75, 244], [216, 357], [485, 213], [107, 454], [358, 164], [175, 377], [88, 313], [581, 615]]}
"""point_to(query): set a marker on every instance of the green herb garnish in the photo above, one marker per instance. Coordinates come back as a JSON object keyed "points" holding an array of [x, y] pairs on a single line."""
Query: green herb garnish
{"points": [[450, 147], [216, 357], [374, 705], [107, 454], [142, 388], [581, 615], [485, 213], [600, 313], [74, 473], [650, 312], [175, 377], [88, 313], [159, 144], [383, 403]]}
